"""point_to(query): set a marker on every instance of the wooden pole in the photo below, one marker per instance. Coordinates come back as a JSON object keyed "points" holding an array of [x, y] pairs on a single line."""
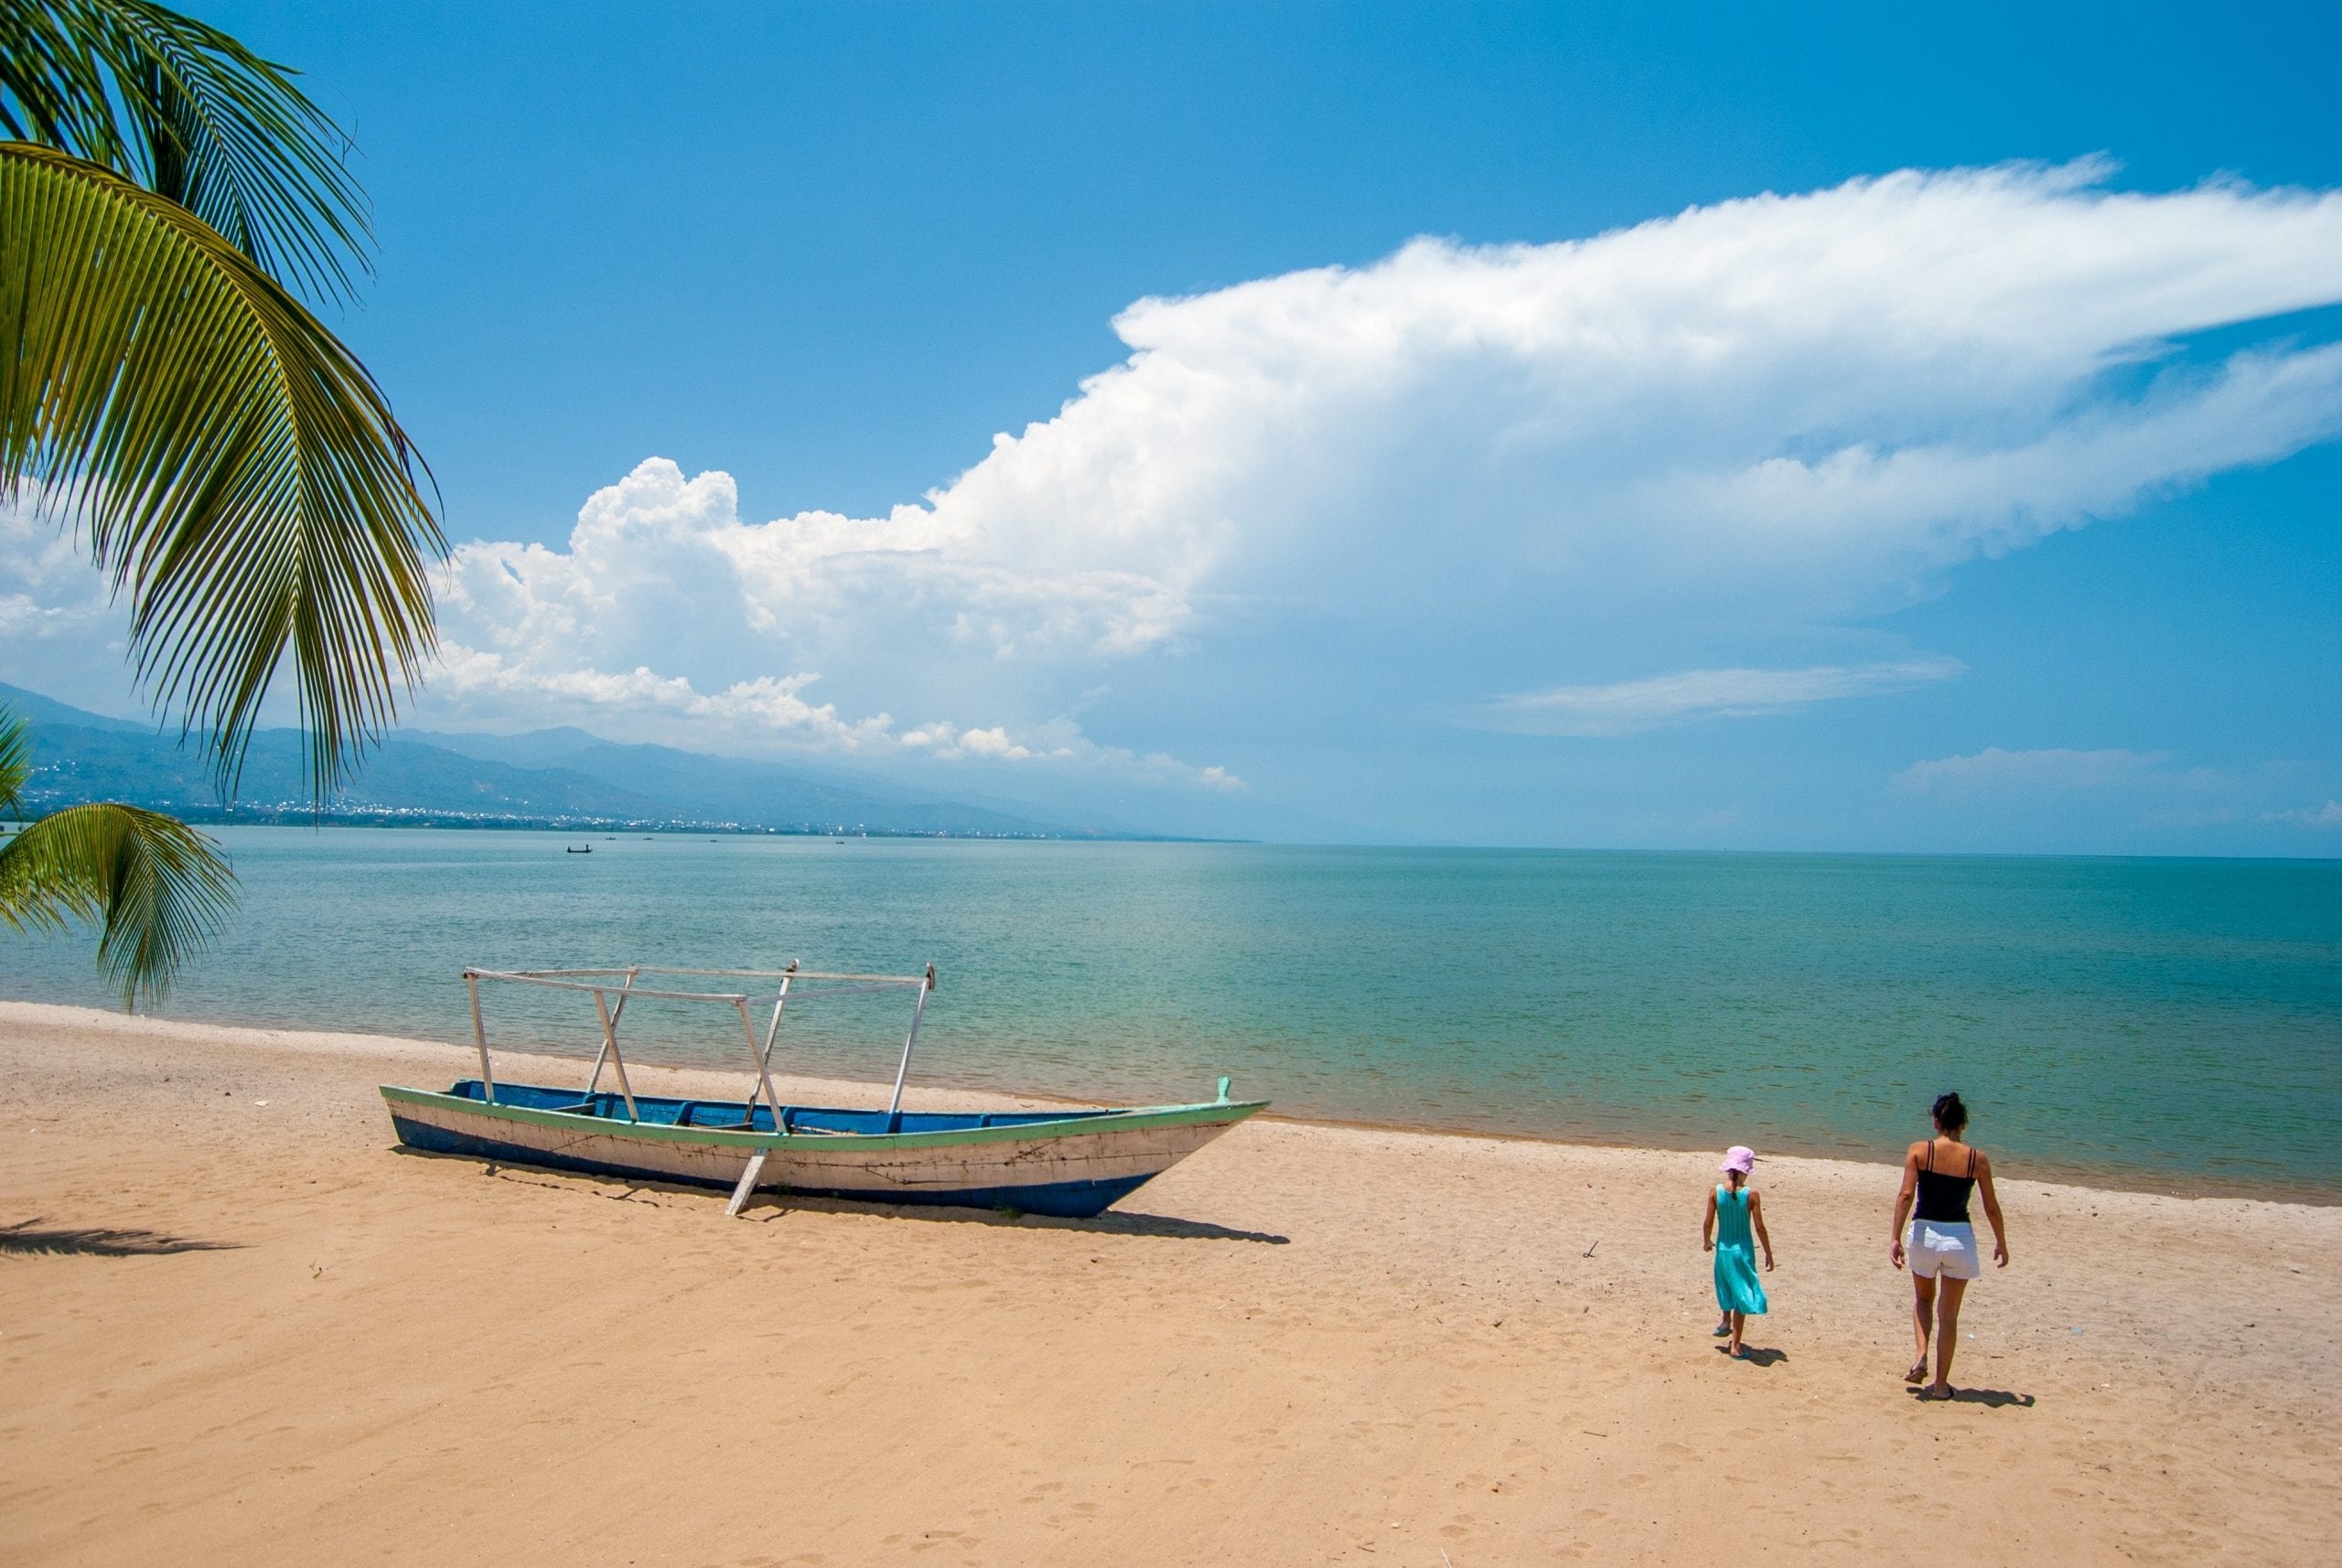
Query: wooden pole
{"points": [[748, 1176], [895, 1105], [610, 1044], [594, 1082], [762, 1076], [479, 1034], [772, 1031]]}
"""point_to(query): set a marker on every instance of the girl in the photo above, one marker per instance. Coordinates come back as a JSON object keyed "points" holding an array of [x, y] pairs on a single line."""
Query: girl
{"points": [[1733, 1212], [1939, 1241]]}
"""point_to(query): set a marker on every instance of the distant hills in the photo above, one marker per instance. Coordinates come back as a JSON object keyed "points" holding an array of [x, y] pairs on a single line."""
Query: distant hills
{"points": [[546, 778]]}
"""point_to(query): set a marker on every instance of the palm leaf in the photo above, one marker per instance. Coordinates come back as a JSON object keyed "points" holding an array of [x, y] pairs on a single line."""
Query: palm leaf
{"points": [[185, 110], [16, 757], [158, 889], [238, 471], [52, 85]]}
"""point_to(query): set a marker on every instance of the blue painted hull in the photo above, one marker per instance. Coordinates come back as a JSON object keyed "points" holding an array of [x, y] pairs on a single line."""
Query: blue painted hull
{"points": [[1067, 1200]]}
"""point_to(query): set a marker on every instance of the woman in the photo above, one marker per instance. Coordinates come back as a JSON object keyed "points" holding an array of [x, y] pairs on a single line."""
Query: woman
{"points": [[1939, 1242]]}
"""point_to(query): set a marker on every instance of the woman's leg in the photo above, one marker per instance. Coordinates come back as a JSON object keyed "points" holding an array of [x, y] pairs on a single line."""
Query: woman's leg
{"points": [[1739, 1321], [1947, 1335], [1923, 1315]]}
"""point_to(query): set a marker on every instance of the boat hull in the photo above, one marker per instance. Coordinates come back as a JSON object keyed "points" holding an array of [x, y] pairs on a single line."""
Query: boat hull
{"points": [[1076, 1166]]}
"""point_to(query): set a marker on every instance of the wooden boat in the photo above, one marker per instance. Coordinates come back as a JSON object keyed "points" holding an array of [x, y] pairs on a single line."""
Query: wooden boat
{"points": [[1071, 1162]]}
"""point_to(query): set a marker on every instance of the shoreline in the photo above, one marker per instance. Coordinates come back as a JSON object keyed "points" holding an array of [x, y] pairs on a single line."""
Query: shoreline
{"points": [[2191, 1187]]}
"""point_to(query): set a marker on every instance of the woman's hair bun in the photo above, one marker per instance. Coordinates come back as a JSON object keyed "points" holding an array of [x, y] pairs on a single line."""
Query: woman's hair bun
{"points": [[1950, 1114]]}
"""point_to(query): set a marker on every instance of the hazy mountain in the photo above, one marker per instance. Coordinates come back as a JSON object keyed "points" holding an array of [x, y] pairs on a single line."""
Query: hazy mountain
{"points": [[548, 778]]}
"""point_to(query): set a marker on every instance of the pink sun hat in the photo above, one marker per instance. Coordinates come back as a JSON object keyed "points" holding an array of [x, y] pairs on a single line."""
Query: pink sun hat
{"points": [[1739, 1157]]}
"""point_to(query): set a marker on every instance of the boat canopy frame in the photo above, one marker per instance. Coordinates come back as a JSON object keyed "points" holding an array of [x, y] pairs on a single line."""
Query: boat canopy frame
{"points": [[598, 981]]}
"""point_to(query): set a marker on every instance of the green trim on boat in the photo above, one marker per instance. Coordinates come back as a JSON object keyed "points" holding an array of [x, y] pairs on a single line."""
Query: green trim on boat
{"points": [[1071, 1126]]}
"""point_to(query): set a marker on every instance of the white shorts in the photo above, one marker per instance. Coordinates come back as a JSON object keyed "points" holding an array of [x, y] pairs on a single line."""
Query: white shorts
{"points": [[1937, 1249]]}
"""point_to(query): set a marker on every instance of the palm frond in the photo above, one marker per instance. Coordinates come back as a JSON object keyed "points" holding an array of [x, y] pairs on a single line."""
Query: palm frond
{"points": [[238, 472], [157, 889], [183, 109], [52, 85], [16, 757]]}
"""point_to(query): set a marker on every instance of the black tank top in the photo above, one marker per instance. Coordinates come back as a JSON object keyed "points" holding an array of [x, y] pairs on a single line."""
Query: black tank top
{"points": [[1944, 1199]]}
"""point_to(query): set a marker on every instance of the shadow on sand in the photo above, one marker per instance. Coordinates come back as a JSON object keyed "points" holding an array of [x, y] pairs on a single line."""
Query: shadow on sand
{"points": [[767, 1207], [1991, 1399], [1755, 1355], [1112, 1223], [36, 1237]]}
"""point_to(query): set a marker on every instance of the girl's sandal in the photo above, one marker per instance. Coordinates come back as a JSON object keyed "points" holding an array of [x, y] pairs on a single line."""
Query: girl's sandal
{"points": [[1918, 1374]]}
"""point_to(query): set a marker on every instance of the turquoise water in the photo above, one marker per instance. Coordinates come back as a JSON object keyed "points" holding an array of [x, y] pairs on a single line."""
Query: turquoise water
{"points": [[2168, 1024]]}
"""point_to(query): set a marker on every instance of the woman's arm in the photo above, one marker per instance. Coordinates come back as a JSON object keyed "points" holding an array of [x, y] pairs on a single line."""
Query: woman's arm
{"points": [[1993, 1211], [1903, 1203], [1756, 1220], [1708, 1225]]}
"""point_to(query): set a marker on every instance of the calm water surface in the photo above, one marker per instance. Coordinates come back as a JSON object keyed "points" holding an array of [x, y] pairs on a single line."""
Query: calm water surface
{"points": [[2172, 1024]]}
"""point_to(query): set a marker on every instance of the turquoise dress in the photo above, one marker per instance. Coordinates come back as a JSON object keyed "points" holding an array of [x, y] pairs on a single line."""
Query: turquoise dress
{"points": [[1737, 1288]]}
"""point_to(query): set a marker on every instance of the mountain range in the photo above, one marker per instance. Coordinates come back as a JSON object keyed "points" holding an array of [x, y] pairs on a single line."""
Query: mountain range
{"points": [[563, 777]]}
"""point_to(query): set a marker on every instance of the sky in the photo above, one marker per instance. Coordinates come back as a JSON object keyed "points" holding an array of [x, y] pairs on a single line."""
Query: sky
{"points": [[1729, 426]]}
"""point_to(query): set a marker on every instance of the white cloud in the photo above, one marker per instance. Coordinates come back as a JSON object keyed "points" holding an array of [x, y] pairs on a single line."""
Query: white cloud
{"points": [[2053, 769], [60, 632], [2145, 787], [1458, 472], [2327, 816], [1628, 707], [661, 567], [1768, 415]]}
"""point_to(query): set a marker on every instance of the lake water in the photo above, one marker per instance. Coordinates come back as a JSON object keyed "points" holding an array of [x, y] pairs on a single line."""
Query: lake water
{"points": [[2170, 1023]]}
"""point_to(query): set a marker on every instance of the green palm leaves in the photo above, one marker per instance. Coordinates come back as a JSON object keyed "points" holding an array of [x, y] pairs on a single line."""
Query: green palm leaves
{"points": [[157, 887], [230, 464], [235, 470], [192, 115]]}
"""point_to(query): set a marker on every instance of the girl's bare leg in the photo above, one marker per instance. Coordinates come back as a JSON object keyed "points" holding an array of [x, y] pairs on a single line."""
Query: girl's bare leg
{"points": [[1739, 1321], [1923, 1312], [1946, 1335]]}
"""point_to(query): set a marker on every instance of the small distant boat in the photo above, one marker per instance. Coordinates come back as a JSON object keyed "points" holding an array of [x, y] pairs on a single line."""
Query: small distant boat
{"points": [[1070, 1161], [579, 848]]}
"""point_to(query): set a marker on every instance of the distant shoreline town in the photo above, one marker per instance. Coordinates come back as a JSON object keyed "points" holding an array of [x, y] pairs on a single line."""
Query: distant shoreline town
{"points": [[296, 814]]}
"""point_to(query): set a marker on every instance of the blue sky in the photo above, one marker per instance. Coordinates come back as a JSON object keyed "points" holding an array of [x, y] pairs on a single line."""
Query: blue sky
{"points": [[1933, 511]]}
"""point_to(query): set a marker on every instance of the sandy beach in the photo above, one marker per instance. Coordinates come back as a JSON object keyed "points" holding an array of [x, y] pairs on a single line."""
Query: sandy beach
{"points": [[237, 1325]]}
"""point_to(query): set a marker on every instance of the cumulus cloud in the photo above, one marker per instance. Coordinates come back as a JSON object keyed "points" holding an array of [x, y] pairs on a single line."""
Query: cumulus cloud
{"points": [[666, 616], [1459, 472], [58, 628], [2053, 769], [1627, 707], [1768, 415]]}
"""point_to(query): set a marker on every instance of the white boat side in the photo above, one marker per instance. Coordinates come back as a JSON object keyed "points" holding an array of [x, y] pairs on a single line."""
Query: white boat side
{"points": [[1076, 1166]]}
